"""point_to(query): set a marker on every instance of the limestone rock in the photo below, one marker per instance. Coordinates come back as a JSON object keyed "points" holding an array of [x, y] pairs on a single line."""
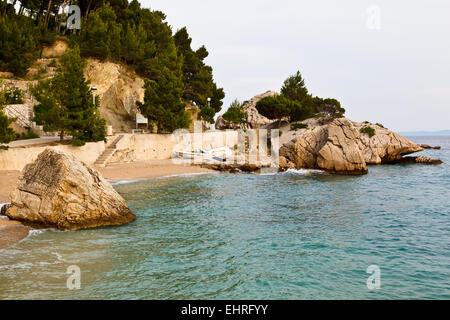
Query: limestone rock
{"points": [[427, 146], [223, 124], [56, 50], [334, 147], [59, 191], [119, 89], [428, 160], [385, 146], [254, 119], [421, 160]]}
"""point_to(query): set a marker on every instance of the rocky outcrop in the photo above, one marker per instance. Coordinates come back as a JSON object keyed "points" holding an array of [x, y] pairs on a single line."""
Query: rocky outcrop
{"points": [[338, 146], [119, 89], [385, 146], [254, 119], [420, 159], [334, 147], [59, 191], [55, 50], [427, 146], [222, 124]]}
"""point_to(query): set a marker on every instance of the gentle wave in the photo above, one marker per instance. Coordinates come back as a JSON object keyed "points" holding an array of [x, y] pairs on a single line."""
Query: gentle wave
{"points": [[300, 172], [304, 172], [184, 175], [116, 183], [124, 182]]}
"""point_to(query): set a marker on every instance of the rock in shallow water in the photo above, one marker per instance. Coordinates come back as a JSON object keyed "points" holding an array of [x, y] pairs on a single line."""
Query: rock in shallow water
{"points": [[427, 146], [385, 146], [57, 190], [334, 147], [420, 159], [339, 147]]}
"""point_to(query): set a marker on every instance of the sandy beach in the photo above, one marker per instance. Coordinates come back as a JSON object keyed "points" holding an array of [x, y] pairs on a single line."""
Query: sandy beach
{"points": [[147, 170], [13, 231]]}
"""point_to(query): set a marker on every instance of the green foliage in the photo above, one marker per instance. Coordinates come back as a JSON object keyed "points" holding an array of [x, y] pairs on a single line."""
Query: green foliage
{"points": [[297, 126], [6, 134], [162, 102], [66, 104], [368, 130], [294, 88], [277, 107], [207, 113], [380, 125], [280, 107], [119, 31], [20, 42], [77, 143], [328, 107], [302, 110], [197, 76], [235, 113], [14, 96], [26, 136]]}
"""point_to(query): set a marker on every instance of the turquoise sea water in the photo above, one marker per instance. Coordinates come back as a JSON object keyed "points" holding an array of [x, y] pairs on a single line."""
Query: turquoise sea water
{"points": [[296, 235]]}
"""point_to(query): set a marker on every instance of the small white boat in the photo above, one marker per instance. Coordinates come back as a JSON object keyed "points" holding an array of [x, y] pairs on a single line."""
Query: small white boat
{"points": [[217, 154]]}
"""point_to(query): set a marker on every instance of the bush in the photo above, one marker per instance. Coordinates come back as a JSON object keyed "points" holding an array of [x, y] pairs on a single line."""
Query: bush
{"points": [[14, 96], [380, 125], [26, 136], [235, 113], [77, 143], [368, 130], [297, 126]]}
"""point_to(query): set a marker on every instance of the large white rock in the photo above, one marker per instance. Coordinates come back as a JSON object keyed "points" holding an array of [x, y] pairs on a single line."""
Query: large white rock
{"points": [[59, 191]]}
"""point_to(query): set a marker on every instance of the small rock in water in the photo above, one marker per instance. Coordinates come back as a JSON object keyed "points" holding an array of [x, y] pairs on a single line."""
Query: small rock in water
{"points": [[427, 146], [428, 160], [420, 159], [58, 190]]}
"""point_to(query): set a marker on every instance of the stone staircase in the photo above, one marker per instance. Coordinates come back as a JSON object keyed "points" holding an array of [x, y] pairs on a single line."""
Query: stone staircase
{"points": [[108, 153], [22, 113]]}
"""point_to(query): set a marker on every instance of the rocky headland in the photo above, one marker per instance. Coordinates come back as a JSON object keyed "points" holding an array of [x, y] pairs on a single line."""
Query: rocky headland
{"points": [[335, 145]]}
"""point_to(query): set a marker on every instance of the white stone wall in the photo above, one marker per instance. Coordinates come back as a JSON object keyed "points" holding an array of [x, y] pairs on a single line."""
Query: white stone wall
{"points": [[18, 158]]}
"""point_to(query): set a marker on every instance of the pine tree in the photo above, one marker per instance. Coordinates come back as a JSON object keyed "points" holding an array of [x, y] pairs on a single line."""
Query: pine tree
{"points": [[162, 102], [198, 79], [294, 87], [6, 134], [66, 102]]}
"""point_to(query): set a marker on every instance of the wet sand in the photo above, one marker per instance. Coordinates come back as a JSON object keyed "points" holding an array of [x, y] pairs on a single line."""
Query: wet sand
{"points": [[147, 170], [13, 231]]}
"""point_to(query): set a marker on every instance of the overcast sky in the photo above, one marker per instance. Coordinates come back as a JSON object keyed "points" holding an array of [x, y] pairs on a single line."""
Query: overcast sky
{"points": [[397, 75]]}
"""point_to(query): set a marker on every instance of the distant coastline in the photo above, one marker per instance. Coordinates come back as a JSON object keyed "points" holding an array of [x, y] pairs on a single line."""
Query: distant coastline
{"points": [[425, 133]]}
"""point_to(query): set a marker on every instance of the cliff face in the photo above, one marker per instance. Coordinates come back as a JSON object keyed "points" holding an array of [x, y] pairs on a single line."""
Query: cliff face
{"points": [[119, 89]]}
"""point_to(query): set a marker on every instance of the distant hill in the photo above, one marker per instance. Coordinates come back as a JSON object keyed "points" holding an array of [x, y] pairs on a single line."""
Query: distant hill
{"points": [[426, 133]]}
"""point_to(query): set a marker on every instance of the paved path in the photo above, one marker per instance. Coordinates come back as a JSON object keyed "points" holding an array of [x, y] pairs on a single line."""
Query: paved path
{"points": [[37, 141]]}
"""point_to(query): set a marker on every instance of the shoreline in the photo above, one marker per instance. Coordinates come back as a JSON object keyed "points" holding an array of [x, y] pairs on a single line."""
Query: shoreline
{"points": [[13, 231]]}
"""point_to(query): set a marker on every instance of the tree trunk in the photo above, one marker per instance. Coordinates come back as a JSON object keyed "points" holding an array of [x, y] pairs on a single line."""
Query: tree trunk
{"points": [[87, 9], [57, 18], [4, 7], [61, 135], [47, 16]]}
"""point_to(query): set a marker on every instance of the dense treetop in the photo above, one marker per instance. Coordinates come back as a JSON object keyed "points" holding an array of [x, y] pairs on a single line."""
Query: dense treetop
{"points": [[296, 104], [119, 31]]}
